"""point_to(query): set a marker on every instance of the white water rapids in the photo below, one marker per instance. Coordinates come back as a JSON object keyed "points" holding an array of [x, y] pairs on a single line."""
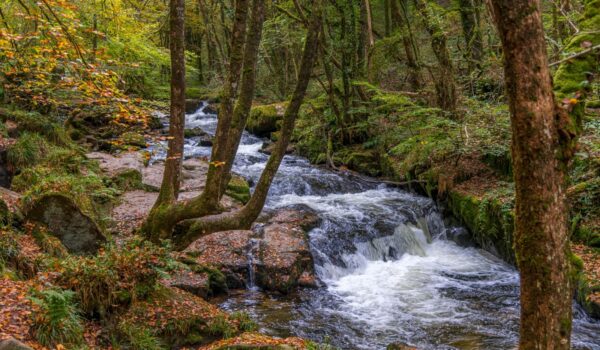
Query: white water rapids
{"points": [[388, 271]]}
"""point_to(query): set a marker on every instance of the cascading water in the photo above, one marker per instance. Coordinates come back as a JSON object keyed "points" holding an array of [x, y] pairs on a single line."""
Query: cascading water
{"points": [[388, 272]]}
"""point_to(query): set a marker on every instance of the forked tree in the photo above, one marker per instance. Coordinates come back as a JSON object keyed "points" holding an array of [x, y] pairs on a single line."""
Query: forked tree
{"points": [[185, 221]]}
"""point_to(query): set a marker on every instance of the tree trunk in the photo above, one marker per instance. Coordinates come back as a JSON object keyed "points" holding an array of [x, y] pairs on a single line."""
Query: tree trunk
{"points": [[169, 190], [541, 227], [445, 84], [414, 68], [469, 15]]}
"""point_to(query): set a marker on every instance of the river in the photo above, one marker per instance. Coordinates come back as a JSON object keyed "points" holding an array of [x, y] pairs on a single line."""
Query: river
{"points": [[388, 268]]}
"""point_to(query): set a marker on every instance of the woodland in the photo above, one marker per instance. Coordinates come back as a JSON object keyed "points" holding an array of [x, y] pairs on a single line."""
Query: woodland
{"points": [[299, 174]]}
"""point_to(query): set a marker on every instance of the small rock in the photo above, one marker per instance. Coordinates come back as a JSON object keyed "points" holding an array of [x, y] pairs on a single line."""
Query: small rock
{"points": [[114, 165], [195, 283], [13, 344]]}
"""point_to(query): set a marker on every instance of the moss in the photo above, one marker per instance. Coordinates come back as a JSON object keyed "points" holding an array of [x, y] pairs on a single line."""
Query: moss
{"points": [[490, 220], [29, 150], [238, 189], [132, 138], [359, 159], [127, 180], [264, 120], [34, 122]]}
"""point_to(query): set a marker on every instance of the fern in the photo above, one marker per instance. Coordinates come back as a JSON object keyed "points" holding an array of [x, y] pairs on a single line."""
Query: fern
{"points": [[57, 321]]}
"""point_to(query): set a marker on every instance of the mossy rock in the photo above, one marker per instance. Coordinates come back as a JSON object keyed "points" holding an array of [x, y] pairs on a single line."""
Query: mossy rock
{"points": [[238, 189], [360, 160], [133, 139], [78, 232], [490, 221], [264, 120], [129, 179]]}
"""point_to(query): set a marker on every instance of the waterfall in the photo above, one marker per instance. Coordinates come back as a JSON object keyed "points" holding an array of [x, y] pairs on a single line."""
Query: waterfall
{"points": [[251, 253]]}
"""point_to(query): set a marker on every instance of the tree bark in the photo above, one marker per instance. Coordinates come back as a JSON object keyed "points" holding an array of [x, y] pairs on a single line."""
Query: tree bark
{"points": [[169, 190], [541, 220], [469, 15]]}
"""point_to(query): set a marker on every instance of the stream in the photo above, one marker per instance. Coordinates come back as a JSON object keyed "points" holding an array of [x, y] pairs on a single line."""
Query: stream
{"points": [[388, 266]]}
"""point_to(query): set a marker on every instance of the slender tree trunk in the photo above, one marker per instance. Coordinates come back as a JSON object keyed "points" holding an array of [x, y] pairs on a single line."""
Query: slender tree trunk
{"points": [[469, 15], [386, 14], [414, 68], [541, 226], [169, 189], [445, 84], [171, 180], [219, 156]]}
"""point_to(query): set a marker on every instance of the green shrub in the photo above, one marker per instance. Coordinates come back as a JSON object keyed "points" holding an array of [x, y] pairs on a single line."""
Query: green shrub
{"points": [[29, 150], [57, 319], [139, 338]]}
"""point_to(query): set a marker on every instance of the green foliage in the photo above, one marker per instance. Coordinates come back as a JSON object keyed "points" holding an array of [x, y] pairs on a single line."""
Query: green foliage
{"points": [[115, 277], [57, 320], [245, 323], [29, 150], [140, 338], [221, 326], [9, 249]]}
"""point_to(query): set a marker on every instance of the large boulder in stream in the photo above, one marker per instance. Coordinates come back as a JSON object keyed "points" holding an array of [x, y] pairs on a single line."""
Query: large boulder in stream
{"points": [[264, 120], [274, 256], [78, 232]]}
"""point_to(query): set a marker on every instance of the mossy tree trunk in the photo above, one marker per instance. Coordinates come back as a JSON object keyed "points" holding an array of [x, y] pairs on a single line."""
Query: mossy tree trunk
{"points": [[169, 189], [202, 214], [445, 82], [470, 19], [539, 161]]}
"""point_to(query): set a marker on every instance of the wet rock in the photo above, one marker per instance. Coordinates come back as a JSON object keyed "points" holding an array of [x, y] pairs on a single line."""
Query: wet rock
{"points": [[227, 251], [268, 147], [284, 253], [202, 137], [400, 346], [13, 344], [192, 105], [460, 236], [277, 252], [211, 109], [77, 231]]}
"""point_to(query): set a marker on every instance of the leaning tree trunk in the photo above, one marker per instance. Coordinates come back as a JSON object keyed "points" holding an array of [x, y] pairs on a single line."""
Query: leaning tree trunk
{"points": [[188, 231], [539, 161], [169, 189]]}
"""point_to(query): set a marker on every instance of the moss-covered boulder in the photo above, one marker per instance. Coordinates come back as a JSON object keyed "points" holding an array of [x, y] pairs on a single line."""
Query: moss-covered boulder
{"points": [[264, 120], [238, 189], [490, 220], [13, 344], [78, 232], [365, 161], [127, 180]]}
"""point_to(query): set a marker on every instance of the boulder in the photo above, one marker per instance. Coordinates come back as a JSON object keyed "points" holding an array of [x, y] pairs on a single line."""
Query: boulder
{"points": [[284, 252], [77, 231], [264, 120], [268, 147], [227, 251], [13, 344], [276, 252], [136, 139]]}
